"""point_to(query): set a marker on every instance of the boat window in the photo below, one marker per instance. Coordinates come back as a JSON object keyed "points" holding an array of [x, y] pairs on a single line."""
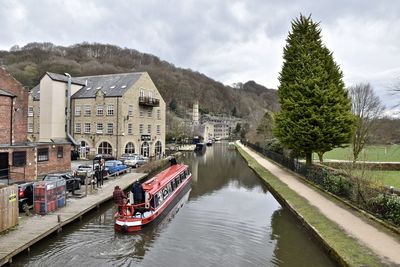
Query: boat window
{"points": [[183, 176], [173, 185], [169, 188], [177, 181], [157, 199], [165, 192]]}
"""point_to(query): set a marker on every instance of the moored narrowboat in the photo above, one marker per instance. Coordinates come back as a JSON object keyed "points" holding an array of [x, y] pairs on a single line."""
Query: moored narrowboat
{"points": [[151, 198]]}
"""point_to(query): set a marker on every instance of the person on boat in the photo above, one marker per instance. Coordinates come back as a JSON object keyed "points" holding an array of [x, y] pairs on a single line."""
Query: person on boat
{"points": [[172, 161], [138, 192], [119, 197]]}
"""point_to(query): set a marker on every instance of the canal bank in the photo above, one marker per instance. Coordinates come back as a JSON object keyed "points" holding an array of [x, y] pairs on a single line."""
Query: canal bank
{"points": [[35, 228], [346, 237]]}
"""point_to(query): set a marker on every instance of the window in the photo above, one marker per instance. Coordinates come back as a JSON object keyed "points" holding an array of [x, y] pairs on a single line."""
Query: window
{"points": [[141, 126], [87, 127], [158, 148], [130, 148], [77, 128], [130, 128], [144, 149], [99, 110], [158, 114], [104, 148], [77, 110], [141, 93], [43, 154], [30, 111], [149, 129], [150, 113], [19, 158], [130, 110], [110, 110], [141, 112], [99, 128], [110, 128], [30, 127], [158, 129], [88, 110], [60, 152]]}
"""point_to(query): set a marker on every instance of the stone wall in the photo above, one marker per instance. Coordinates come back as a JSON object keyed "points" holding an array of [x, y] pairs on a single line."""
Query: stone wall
{"points": [[54, 164]]}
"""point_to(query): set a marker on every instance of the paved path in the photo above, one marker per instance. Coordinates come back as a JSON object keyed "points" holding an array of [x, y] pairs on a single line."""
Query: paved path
{"points": [[381, 243], [32, 229]]}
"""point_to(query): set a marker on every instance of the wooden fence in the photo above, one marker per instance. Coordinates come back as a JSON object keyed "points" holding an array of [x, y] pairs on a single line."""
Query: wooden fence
{"points": [[8, 207]]}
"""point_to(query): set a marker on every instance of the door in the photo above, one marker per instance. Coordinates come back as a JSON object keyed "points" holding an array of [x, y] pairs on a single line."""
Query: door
{"points": [[4, 165]]}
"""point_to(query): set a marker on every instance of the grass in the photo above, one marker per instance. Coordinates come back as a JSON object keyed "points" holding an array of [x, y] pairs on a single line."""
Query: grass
{"points": [[389, 178], [390, 153], [347, 247]]}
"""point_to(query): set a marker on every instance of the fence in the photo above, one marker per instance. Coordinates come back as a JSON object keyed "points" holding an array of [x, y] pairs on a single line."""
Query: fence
{"points": [[8, 207], [376, 199]]}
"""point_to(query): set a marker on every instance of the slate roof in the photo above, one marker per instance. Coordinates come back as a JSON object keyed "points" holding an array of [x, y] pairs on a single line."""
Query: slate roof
{"points": [[110, 85], [35, 92], [5, 93], [63, 78]]}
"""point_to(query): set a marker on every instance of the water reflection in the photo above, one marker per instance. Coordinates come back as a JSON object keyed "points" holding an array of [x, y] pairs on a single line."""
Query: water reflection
{"points": [[227, 219]]}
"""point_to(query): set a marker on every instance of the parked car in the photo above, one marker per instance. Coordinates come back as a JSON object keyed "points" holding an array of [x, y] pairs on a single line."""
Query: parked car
{"points": [[84, 171], [25, 196], [106, 157], [71, 181], [136, 161], [114, 166], [126, 156]]}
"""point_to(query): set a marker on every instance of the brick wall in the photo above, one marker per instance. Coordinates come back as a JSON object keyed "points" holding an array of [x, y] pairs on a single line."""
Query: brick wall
{"points": [[5, 119], [8, 83], [26, 173], [54, 164]]}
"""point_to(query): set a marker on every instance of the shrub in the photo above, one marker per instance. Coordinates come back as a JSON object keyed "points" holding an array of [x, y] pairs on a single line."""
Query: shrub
{"points": [[387, 207]]}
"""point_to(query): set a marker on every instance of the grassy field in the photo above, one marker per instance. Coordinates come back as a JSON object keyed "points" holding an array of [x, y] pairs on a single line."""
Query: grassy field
{"points": [[390, 153], [389, 178], [346, 246]]}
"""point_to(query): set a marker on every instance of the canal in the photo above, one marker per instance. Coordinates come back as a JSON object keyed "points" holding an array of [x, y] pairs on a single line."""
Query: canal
{"points": [[226, 217]]}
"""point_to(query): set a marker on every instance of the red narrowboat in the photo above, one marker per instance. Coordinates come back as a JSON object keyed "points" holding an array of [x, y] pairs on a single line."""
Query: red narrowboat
{"points": [[151, 198]]}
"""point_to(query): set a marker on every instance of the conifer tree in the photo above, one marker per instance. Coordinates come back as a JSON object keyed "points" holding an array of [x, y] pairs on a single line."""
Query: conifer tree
{"points": [[315, 107]]}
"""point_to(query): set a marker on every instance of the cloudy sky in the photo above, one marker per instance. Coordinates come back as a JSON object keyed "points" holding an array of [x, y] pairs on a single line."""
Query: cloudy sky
{"points": [[228, 40]]}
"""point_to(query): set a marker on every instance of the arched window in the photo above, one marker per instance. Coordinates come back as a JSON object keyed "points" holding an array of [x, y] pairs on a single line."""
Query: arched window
{"points": [[104, 148], [158, 148], [144, 149], [130, 148]]}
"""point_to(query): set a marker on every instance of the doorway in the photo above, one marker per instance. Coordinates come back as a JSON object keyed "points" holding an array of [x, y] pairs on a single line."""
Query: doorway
{"points": [[4, 165]]}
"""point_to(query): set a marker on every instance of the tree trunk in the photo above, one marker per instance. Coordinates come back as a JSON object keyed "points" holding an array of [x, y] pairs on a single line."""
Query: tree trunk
{"points": [[309, 158], [321, 157]]}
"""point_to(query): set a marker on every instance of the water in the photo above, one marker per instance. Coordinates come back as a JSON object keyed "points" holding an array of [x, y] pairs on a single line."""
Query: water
{"points": [[226, 217]]}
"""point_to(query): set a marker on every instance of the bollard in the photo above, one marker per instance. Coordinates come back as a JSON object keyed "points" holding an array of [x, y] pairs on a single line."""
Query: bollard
{"points": [[58, 218]]}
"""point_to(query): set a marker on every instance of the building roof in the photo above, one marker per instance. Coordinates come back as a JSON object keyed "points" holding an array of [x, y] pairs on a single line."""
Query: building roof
{"points": [[63, 78], [110, 85], [5, 93], [35, 92]]}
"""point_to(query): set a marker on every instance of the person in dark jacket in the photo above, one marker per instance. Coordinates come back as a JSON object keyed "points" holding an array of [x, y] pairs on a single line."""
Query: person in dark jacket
{"points": [[138, 193]]}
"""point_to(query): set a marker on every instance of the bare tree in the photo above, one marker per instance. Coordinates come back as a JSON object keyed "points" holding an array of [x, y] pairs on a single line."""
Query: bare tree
{"points": [[367, 107]]}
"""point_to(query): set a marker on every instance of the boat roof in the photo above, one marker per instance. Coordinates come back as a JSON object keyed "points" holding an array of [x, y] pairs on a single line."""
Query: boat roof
{"points": [[163, 178]]}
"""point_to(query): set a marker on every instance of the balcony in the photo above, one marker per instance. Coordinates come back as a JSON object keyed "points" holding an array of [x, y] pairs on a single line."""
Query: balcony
{"points": [[149, 101]]}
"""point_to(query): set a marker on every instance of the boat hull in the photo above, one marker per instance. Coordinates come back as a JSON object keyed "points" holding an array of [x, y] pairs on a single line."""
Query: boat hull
{"points": [[129, 224]]}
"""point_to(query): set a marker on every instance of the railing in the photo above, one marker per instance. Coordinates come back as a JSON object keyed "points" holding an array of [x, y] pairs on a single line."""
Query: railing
{"points": [[149, 101], [376, 199]]}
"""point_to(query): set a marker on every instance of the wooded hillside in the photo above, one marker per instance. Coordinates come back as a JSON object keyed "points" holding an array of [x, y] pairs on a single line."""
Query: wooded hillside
{"points": [[181, 86]]}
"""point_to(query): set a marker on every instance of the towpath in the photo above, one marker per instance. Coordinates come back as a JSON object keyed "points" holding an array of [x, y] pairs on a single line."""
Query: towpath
{"points": [[32, 229], [383, 244]]}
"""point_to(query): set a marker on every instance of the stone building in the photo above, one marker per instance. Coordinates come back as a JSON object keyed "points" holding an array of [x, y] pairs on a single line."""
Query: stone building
{"points": [[20, 159], [112, 114]]}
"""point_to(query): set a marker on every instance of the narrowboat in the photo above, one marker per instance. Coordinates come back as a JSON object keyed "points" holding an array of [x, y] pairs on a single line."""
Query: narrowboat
{"points": [[151, 198]]}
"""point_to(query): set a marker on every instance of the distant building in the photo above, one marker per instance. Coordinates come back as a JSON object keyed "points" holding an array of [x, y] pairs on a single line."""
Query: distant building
{"points": [[219, 126], [20, 159], [112, 114]]}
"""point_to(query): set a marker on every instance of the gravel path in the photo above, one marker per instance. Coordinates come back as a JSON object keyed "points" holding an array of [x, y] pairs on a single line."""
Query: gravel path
{"points": [[380, 242]]}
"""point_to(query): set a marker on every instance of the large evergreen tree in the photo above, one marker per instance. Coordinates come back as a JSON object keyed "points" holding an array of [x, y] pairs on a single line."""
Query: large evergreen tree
{"points": [[315, 108]]}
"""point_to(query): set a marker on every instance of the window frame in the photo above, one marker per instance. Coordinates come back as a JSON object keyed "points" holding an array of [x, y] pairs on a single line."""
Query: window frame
{"points": [[19, 158], [60, 152], [99, 110], [43, 154], [110, 111]]}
